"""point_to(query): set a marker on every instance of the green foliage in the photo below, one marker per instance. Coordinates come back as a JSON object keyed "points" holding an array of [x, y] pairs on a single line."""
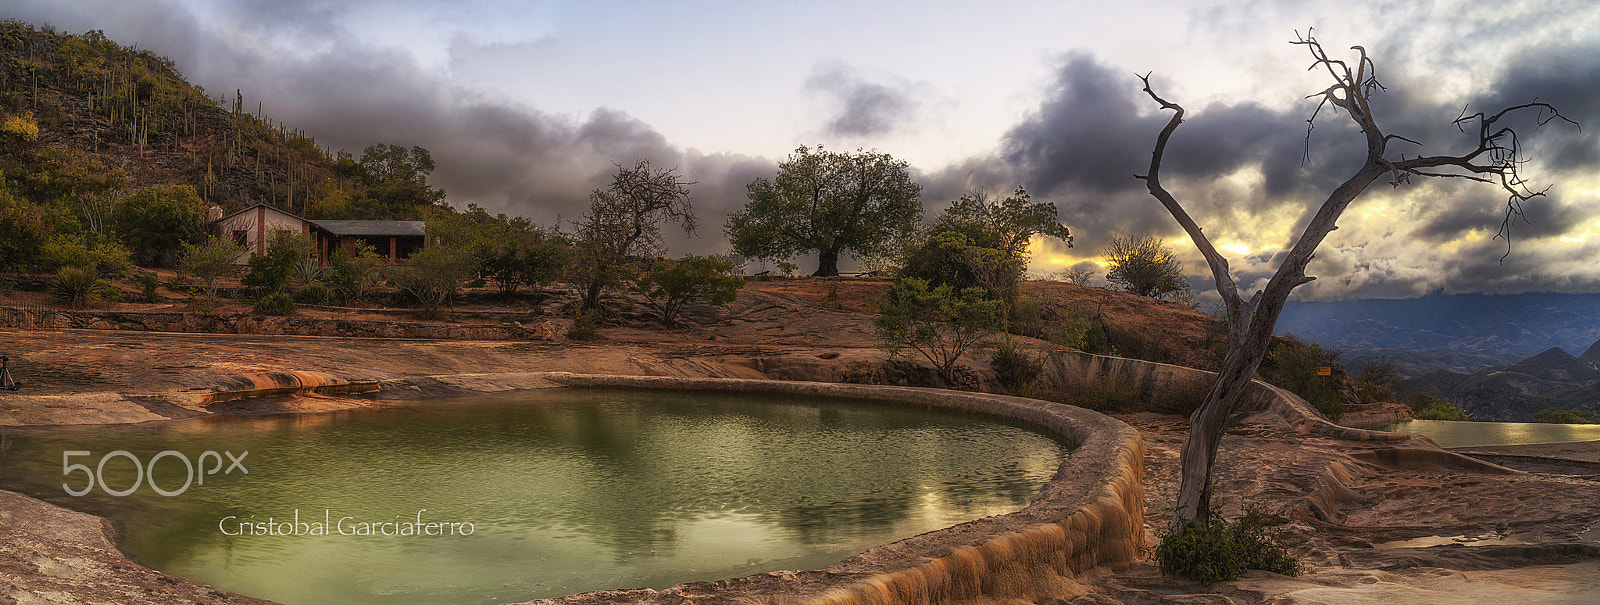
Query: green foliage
{"points": [[1555, 416], [1293, 364], [1220, 551], [79, 287], [432, 276], [396, 182], [674, 284], [210, 261], [1145, 266], [831, 203], [585, 323], [353, 275], [149, 284], [276, 304], [939, 322], [979, 235], [1015, 367], [271, 272], [1426, 406], [313, 294], [1084, 332], [1377, 381], [23, 231], [623, 223], [155, 222], [787, 268], [104, 256]]}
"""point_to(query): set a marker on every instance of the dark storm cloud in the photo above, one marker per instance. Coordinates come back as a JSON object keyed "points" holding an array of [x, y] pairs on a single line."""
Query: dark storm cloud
{"points": [[1567, 77], [505, 157], [865, 108]]}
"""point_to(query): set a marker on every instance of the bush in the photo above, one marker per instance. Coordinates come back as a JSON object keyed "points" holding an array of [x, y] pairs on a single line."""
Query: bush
{"points": [[277, 304], [269, 273], [1145, 266], [313, 294], [1085, 333], [1220, 551], [1426, 406], [940, 322], [79, 286], [1377, 381], [585, 323], [1293, 364], [149, 283], [1014, 367], [672, 285]]}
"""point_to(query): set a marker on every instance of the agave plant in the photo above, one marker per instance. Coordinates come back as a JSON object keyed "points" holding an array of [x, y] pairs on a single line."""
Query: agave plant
{"points": [[79, 286]]}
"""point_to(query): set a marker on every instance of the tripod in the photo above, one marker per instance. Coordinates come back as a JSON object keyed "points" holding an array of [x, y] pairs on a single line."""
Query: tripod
{"points": [[6, 383]]}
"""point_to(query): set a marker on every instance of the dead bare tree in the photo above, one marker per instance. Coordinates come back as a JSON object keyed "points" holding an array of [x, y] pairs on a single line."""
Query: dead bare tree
{"points": [[1496, 159]]}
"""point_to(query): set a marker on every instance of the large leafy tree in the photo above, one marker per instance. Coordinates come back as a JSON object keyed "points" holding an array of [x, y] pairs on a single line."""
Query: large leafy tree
{"points": [[830, 203]]}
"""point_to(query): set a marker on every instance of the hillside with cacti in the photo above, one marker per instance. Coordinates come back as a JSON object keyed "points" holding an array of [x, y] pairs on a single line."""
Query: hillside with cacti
{"points": [[89, 129]]}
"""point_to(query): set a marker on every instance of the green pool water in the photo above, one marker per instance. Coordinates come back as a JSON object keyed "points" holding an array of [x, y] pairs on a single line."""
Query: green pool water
{"points": [[531, 496], [1452, 433]]}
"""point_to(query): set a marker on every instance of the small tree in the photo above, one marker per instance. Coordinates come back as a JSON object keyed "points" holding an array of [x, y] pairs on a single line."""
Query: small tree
{"points": [[674, 284], [271, 272], [939, 322], [624, 222], [830, 203], [1145, 266], [209, 262]]}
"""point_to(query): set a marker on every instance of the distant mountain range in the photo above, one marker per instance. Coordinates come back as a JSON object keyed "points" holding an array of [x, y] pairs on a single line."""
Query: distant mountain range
{"points": [[1453, 332], [1515, 392]]}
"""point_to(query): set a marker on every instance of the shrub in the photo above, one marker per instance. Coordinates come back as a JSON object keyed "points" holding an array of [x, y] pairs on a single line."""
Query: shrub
{"points": [[209, 261], [675, 284], [313, 294], [276, 304], [1220, 551], [79, 286], [940, 322], [1377, 381], [269, 273], [1014, 367], [1426, 406], [1293, 364], [585, 323], [1085, 333], [149, 283], [352, 275], [1145, 266]]}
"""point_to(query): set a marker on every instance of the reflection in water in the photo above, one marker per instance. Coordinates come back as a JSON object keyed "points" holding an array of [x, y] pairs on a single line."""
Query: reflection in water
{"points": [[565, 491], [1453, 433]]}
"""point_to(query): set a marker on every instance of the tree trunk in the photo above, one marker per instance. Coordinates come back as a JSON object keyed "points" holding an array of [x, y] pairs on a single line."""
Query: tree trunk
{"points": [[591, 296], [827, 263], [1206, 427]]}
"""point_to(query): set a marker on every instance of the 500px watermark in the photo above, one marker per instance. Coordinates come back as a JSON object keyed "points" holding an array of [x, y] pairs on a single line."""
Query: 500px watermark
{"points": [[147, 472]]}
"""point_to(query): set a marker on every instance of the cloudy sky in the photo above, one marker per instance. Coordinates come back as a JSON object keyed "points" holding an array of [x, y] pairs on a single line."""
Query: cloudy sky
{"points": [[527, 105]]}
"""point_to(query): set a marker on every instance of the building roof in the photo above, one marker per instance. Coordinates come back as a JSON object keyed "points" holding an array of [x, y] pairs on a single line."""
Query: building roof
{"points": [[253, 208], [376, 228]]}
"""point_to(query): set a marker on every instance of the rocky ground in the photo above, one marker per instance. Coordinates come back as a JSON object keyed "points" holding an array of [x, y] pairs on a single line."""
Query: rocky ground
{"points": [[1361, 522]]}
